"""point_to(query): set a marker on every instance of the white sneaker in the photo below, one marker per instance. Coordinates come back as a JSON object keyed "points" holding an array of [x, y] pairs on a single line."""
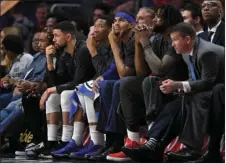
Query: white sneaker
{"points": [[19, 153], [30, 146], [22, 152]]}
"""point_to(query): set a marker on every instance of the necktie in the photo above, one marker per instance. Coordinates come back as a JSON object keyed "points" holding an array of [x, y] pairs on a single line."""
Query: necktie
{"points": [[192, 68], [210, 34]]}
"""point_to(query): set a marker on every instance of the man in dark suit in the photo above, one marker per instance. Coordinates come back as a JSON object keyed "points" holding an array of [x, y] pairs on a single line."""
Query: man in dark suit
{"points": [[192, 14], [212, 12], [204, 60]]}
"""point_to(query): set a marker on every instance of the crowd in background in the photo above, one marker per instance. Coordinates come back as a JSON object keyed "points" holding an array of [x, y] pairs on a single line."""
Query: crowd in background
{"points": [[136, 75]]}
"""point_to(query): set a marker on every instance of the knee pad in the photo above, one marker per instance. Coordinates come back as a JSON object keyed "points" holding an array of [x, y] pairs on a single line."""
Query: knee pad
{"points": [[65, 100], [53, 104]]}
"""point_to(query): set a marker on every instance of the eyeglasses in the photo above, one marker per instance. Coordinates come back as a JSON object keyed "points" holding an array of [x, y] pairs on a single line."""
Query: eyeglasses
{"points": [[209, 5]]}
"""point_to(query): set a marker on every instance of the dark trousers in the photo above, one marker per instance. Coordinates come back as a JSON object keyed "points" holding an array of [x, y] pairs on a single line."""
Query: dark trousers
{"points": [[217, 118], [168, 118], [154, 99], [109, 120], [35, 118], [132, 102], [187, 117]]}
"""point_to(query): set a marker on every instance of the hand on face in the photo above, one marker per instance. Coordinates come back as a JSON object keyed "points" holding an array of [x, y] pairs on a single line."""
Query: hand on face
{"points": [[113, 35], [91, 44], [144, 32], [50, 51]]}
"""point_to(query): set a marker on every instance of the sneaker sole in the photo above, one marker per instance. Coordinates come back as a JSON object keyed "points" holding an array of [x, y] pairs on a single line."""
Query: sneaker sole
{"points": [[20, 153], [109, 158], [45, 156], [59, 156], [76, 157]]}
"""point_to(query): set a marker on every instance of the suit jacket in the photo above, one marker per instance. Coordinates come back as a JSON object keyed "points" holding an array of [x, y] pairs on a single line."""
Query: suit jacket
{"points": [[203, 35], [208, 59], [219, 37]]}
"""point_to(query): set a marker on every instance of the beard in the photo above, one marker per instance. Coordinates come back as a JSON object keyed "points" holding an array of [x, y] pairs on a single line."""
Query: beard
{"points": [[159, 28], [124, 32], [61, 47]]}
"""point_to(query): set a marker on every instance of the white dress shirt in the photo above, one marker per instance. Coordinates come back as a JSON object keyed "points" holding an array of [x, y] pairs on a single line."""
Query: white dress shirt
{"points": [[199, 32], [214, 29]]}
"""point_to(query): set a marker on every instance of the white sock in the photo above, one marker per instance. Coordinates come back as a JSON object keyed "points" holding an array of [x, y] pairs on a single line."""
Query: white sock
{"points": [[52, 132], [78, 132], [96, 137], [67, 133], [133, 136]]}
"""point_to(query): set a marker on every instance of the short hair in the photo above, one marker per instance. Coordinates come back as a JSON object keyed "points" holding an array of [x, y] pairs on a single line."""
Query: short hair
{"points": [[184, 29], [108, 18], [60, 17], [13, 43], [171, 15], [42, 5], [81, 25], [104, 7], [18, 9], [66, 27], [150, 10], [195, 9]]}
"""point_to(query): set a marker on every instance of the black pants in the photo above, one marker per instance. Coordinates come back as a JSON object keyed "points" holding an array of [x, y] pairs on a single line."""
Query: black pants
{"points": [[187, 117], [132, 102], [35, 117], [217, 118], [154, 99], [167, 125]]}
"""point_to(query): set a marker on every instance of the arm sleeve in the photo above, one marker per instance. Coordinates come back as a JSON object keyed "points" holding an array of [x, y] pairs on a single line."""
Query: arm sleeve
{"points": [[209, 63], [101, 62], [160, 66]]}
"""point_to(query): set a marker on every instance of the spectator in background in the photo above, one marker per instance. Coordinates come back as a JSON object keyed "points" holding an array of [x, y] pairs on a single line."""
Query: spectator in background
{"points": [[192, 14], [13, 112], [212, 12], [81, 28], [34, 74], [25, 26], [34, 44], [5, 63], [223, 4], [145, 16], [125, 7], [13, 46], [100, 9], [53, 18], [41, 14]]}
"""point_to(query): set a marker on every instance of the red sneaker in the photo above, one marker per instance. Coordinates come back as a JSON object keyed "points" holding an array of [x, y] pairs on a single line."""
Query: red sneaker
{"points": [[120, 156]]}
